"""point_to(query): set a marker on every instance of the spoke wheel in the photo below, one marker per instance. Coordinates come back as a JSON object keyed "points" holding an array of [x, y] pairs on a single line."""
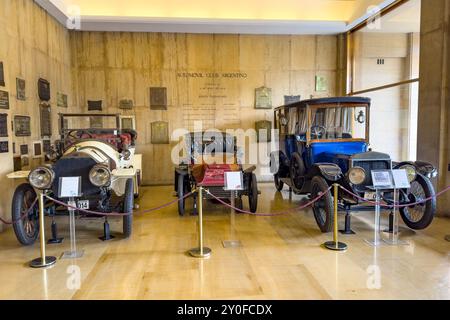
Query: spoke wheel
{"points": [[419, 217], [25, 214], [297, 172], [323, 209]]}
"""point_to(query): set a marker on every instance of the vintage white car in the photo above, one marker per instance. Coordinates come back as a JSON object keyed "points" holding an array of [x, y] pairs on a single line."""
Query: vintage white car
{"points": [[103, 156]]}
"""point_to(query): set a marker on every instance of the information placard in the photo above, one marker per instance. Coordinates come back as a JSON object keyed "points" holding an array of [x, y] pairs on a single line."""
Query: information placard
{"points": [[69, 187], [233, 180], [401, 180], [382, 179]]}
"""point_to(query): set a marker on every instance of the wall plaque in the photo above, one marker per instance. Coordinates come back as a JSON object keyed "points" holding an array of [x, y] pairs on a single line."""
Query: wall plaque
{"points": [[95, 105], [3, 125], [17, 163], [4, 147], [25, 161], [4, 99], [263, 98], [61, 100], [22, 126], [23, 149], [96, 122], [20, 89], [46, 146], [126, 104], [160, 132], [291, 99], [158, 98], [321, 84], [46, 120], [44, 89], [37, 149], [127, 123], [262, 136], [2, 75]]}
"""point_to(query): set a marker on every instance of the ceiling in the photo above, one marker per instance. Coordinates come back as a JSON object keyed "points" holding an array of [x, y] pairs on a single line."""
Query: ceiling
{"points": [[215, 16]]}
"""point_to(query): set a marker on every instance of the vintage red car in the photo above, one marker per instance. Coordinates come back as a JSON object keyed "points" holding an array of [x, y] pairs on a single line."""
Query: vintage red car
{"points": [[209, 157]]}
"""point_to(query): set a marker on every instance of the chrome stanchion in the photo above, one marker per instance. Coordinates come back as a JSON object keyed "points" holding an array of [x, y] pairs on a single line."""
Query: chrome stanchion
{"points": [[200, 252], [43, 261], [335, 245]]}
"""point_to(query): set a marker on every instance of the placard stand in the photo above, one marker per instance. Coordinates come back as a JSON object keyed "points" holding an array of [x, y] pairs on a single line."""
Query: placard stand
{"points": [[73, 253], [393, 236], [375, 242], [44, 260]]}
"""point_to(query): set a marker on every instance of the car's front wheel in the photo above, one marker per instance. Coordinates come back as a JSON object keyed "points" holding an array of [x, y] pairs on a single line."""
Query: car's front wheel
{"points": [[25, 214], [278, 183], [128, 205], [323, 208], [419, 217], [253, 193]]}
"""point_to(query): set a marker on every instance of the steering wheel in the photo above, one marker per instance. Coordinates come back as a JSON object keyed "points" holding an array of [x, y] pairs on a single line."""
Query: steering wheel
{"points": [[317, 132]]}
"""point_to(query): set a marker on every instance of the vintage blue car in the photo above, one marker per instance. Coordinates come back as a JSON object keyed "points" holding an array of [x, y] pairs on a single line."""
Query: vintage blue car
{"points": [[326, 141]]}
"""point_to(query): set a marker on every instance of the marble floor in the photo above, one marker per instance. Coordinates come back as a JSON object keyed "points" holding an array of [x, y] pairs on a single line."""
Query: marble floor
{"points": [[276, 258]]}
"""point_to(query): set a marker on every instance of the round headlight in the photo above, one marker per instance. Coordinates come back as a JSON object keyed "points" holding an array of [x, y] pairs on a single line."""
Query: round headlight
{"points": [[410, 172], [126, 154], [357, 175], [41, 178], [100, 176]]}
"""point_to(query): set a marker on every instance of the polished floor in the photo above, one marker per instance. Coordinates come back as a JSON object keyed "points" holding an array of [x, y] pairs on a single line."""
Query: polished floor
{"points": [[273, 258]]}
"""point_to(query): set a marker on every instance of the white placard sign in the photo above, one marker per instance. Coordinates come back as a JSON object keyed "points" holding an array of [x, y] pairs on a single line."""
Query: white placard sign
{"points": [[69, 187], [233, 180], [401, 179], [382, 179]]}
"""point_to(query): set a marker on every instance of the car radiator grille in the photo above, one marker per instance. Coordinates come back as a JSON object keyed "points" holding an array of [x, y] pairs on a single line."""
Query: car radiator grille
{"points": [[368, 166], [219, 192]]}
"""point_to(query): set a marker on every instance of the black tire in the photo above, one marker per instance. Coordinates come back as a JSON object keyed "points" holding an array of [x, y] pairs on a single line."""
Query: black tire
{"points": [[278, 183], [324, 208], [27, 229], [420, 217], [253, 193], [181, 192], [128, 205], [138, 182], [297, 172]]}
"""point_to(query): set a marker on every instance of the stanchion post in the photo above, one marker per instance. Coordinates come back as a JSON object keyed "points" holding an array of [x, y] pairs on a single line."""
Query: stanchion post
{"points": [[43, 261], [201, 251], [335, 245]]}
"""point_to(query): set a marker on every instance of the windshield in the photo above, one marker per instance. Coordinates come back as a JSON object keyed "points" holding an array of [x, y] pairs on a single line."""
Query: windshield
{"points": [[334, 123]]}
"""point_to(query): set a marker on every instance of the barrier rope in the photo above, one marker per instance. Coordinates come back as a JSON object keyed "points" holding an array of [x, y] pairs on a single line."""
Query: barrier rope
{"points": [[271, 214], [118, 214], [23, 216], [396, 205]]}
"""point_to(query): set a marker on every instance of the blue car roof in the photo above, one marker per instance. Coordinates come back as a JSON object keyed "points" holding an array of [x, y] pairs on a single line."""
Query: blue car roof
{"points": [[334, 100]]}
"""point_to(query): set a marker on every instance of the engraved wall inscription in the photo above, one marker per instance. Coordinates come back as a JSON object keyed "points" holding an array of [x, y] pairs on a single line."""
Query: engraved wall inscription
{"points": [[22, 126], [160, 132], [263, 98]]}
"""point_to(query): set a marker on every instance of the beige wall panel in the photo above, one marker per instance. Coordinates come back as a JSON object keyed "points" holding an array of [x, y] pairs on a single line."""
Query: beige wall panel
{"points": [[119, 50], [119, 85], [303, 52], [200, 52], [142, 50], [253, 52], [279, 49], [279, 82], [303, 83], [88, 49], [92, 86], [226, 53], [326, 53], [255, 79]]}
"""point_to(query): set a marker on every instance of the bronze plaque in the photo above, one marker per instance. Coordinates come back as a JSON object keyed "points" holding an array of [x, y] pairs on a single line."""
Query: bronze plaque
{"points": [[37, 149], [127, 123], [20, 89], [291, 99], [2, 75], [22, 126], [160, 132], [3, 125], [126, 104], [46, 121], [158, 98], [95, 105], [96, 122], [46, 146], [61, 100], [264, 136], [4, 99], [25, 161], [44, 89], [4, 147], [23, 149], [263, 98]]}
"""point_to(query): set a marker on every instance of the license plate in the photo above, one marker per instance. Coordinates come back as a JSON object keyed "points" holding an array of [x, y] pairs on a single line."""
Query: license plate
{"points": [[370, 196], [83, 204]]}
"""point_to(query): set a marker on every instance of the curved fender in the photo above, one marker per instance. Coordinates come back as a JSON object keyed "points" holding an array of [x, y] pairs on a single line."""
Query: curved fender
{"points": [[424, 168]]}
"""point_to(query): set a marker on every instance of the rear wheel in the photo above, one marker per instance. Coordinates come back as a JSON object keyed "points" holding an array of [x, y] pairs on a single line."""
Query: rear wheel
{"points": [[420, 216], [253, 193], [278, 183], [323, 209], [128, 204], [25, 214]]}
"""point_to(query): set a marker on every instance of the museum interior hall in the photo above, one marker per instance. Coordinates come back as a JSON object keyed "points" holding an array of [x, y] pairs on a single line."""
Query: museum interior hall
{"points": [[224, 150]]}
